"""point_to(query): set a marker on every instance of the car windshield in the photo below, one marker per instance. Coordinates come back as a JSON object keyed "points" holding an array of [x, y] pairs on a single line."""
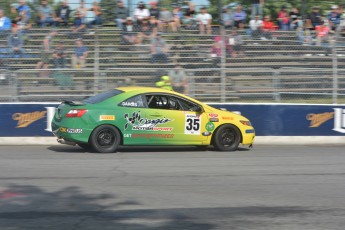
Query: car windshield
{"points": [[102, 96]]}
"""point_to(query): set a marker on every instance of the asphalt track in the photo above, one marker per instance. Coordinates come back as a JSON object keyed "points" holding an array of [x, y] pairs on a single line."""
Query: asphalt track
{"points": [[264, 188]]}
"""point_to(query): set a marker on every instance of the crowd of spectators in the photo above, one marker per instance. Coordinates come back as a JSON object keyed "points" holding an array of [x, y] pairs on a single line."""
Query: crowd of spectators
{"points": [[147, 23]]}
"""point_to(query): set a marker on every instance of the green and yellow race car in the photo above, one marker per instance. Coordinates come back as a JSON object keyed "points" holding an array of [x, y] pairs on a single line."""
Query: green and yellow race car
{"points": [[148, 116]]}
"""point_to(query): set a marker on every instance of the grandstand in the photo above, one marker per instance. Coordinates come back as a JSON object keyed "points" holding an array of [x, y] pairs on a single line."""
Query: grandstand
{"points": [[280, 69]]}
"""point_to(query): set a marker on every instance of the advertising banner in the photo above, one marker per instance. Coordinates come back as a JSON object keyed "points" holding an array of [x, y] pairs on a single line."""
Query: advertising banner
{"points": [[292, 119], [33, 119]]}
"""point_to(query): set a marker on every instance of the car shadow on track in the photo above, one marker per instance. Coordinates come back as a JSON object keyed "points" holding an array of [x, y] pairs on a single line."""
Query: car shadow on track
{"points": [[77, 149]]}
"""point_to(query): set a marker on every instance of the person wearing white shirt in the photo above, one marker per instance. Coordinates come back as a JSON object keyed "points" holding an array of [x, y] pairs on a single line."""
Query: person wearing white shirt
{"points": [[141, 13], [255, 26], [5, 23], [204, 20]]}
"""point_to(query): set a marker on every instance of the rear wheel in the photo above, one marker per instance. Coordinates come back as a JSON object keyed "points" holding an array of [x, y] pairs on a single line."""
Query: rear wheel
{"points": [[105, 139], [227, 138]]}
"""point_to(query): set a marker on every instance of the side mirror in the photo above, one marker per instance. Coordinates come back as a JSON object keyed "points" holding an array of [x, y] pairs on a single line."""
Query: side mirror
{"points": [[198, 109]]}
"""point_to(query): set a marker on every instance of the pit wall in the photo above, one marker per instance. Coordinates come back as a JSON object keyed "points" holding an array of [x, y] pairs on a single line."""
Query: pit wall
{"points": [[29, 123]]}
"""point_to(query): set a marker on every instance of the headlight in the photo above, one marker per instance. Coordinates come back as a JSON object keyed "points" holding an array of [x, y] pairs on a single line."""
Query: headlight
{"points": [[246, 123]]}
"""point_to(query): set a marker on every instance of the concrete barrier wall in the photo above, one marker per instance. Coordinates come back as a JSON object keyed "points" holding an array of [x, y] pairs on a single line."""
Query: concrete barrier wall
{"points": [[284, 122]]}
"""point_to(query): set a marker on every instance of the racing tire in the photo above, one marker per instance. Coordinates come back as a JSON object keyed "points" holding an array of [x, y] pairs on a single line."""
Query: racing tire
{"points": [[105, 139], [227, 138]]}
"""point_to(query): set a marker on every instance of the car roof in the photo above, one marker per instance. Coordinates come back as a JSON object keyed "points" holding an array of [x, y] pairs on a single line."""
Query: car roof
{"points": [[143, 89]]}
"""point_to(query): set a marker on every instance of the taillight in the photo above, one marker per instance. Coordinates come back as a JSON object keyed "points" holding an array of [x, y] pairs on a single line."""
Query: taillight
{"points": [[76, 113]]}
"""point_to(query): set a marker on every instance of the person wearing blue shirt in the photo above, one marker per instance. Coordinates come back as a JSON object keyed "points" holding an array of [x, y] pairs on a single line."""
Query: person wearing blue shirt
{"points": [[80, 55], [15, 43], [23, 11], [239, 17], [5, 24], [334, 17]]}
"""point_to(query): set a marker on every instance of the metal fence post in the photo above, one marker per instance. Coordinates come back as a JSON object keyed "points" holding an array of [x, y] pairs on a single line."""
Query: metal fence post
{"points": [[223, 65], [96, 86], [335, 67]]}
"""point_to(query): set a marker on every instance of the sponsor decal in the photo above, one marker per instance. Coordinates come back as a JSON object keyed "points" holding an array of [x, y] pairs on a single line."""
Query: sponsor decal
{"points": [[129, 104], [319, 118], [227, 118], [152, 135], [214, 119], [209, 126], [192, 124], [213, 115], [75, 131], [63, 129], [25, 119], [141, 123], [107, 118], [206, 133], [250, 131]]}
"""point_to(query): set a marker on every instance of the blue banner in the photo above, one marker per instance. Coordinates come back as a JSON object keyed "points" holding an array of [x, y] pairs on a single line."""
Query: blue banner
{"points": [[26, 120], [292, 120], [33, 119]]}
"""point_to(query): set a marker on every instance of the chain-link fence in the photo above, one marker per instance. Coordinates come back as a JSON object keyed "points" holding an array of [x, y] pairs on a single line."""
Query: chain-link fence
{"points": [[229, 66]]}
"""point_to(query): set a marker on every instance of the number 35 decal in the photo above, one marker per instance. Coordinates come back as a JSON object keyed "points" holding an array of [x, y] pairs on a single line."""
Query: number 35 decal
{"points": [[192, 124]]}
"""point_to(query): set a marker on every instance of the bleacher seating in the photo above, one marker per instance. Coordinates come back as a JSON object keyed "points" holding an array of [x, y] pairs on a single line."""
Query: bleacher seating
{"points": [[112, 63]]}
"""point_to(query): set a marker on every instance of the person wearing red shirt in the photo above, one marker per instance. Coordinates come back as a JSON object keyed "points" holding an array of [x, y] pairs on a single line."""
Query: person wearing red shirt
{"points": [[267, 27], [283, 19], [321, 33]]}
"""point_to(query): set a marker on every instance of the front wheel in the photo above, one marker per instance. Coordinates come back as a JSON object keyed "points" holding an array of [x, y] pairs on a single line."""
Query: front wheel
{"points": [[227, 138], [105, 139]]}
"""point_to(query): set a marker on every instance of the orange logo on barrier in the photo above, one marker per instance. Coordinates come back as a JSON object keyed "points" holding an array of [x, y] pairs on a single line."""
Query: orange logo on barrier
{"points": [[319, 118], [25, 119]]}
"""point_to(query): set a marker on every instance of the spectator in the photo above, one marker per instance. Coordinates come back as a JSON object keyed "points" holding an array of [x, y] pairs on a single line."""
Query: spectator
{"points": [[235, 42], [322, 32], [257, 6], [227, 20], [154, 11], [295, 19], [95, 15], [165, 83], [121, 14], [304, 35], [189, 17], [204, 20], [78, 24], [159, 49], [5, 24], [45, 14], [62, 14], [46, 54], [82, 11], [255, 26], [178, 15], [145, 32], [129, 32], [179, 79], [59, 55], [216, 51], [15, 43], [166, 20], [314, 18], [239, 17], [141, 13], [283, 19], [334, 18], [23, 12], [80, 55], [268, 27]]}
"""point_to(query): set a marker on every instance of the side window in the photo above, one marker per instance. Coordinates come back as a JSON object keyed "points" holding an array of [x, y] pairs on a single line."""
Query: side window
{"points": [[162, 102], [189, 106], [136, 101]]}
